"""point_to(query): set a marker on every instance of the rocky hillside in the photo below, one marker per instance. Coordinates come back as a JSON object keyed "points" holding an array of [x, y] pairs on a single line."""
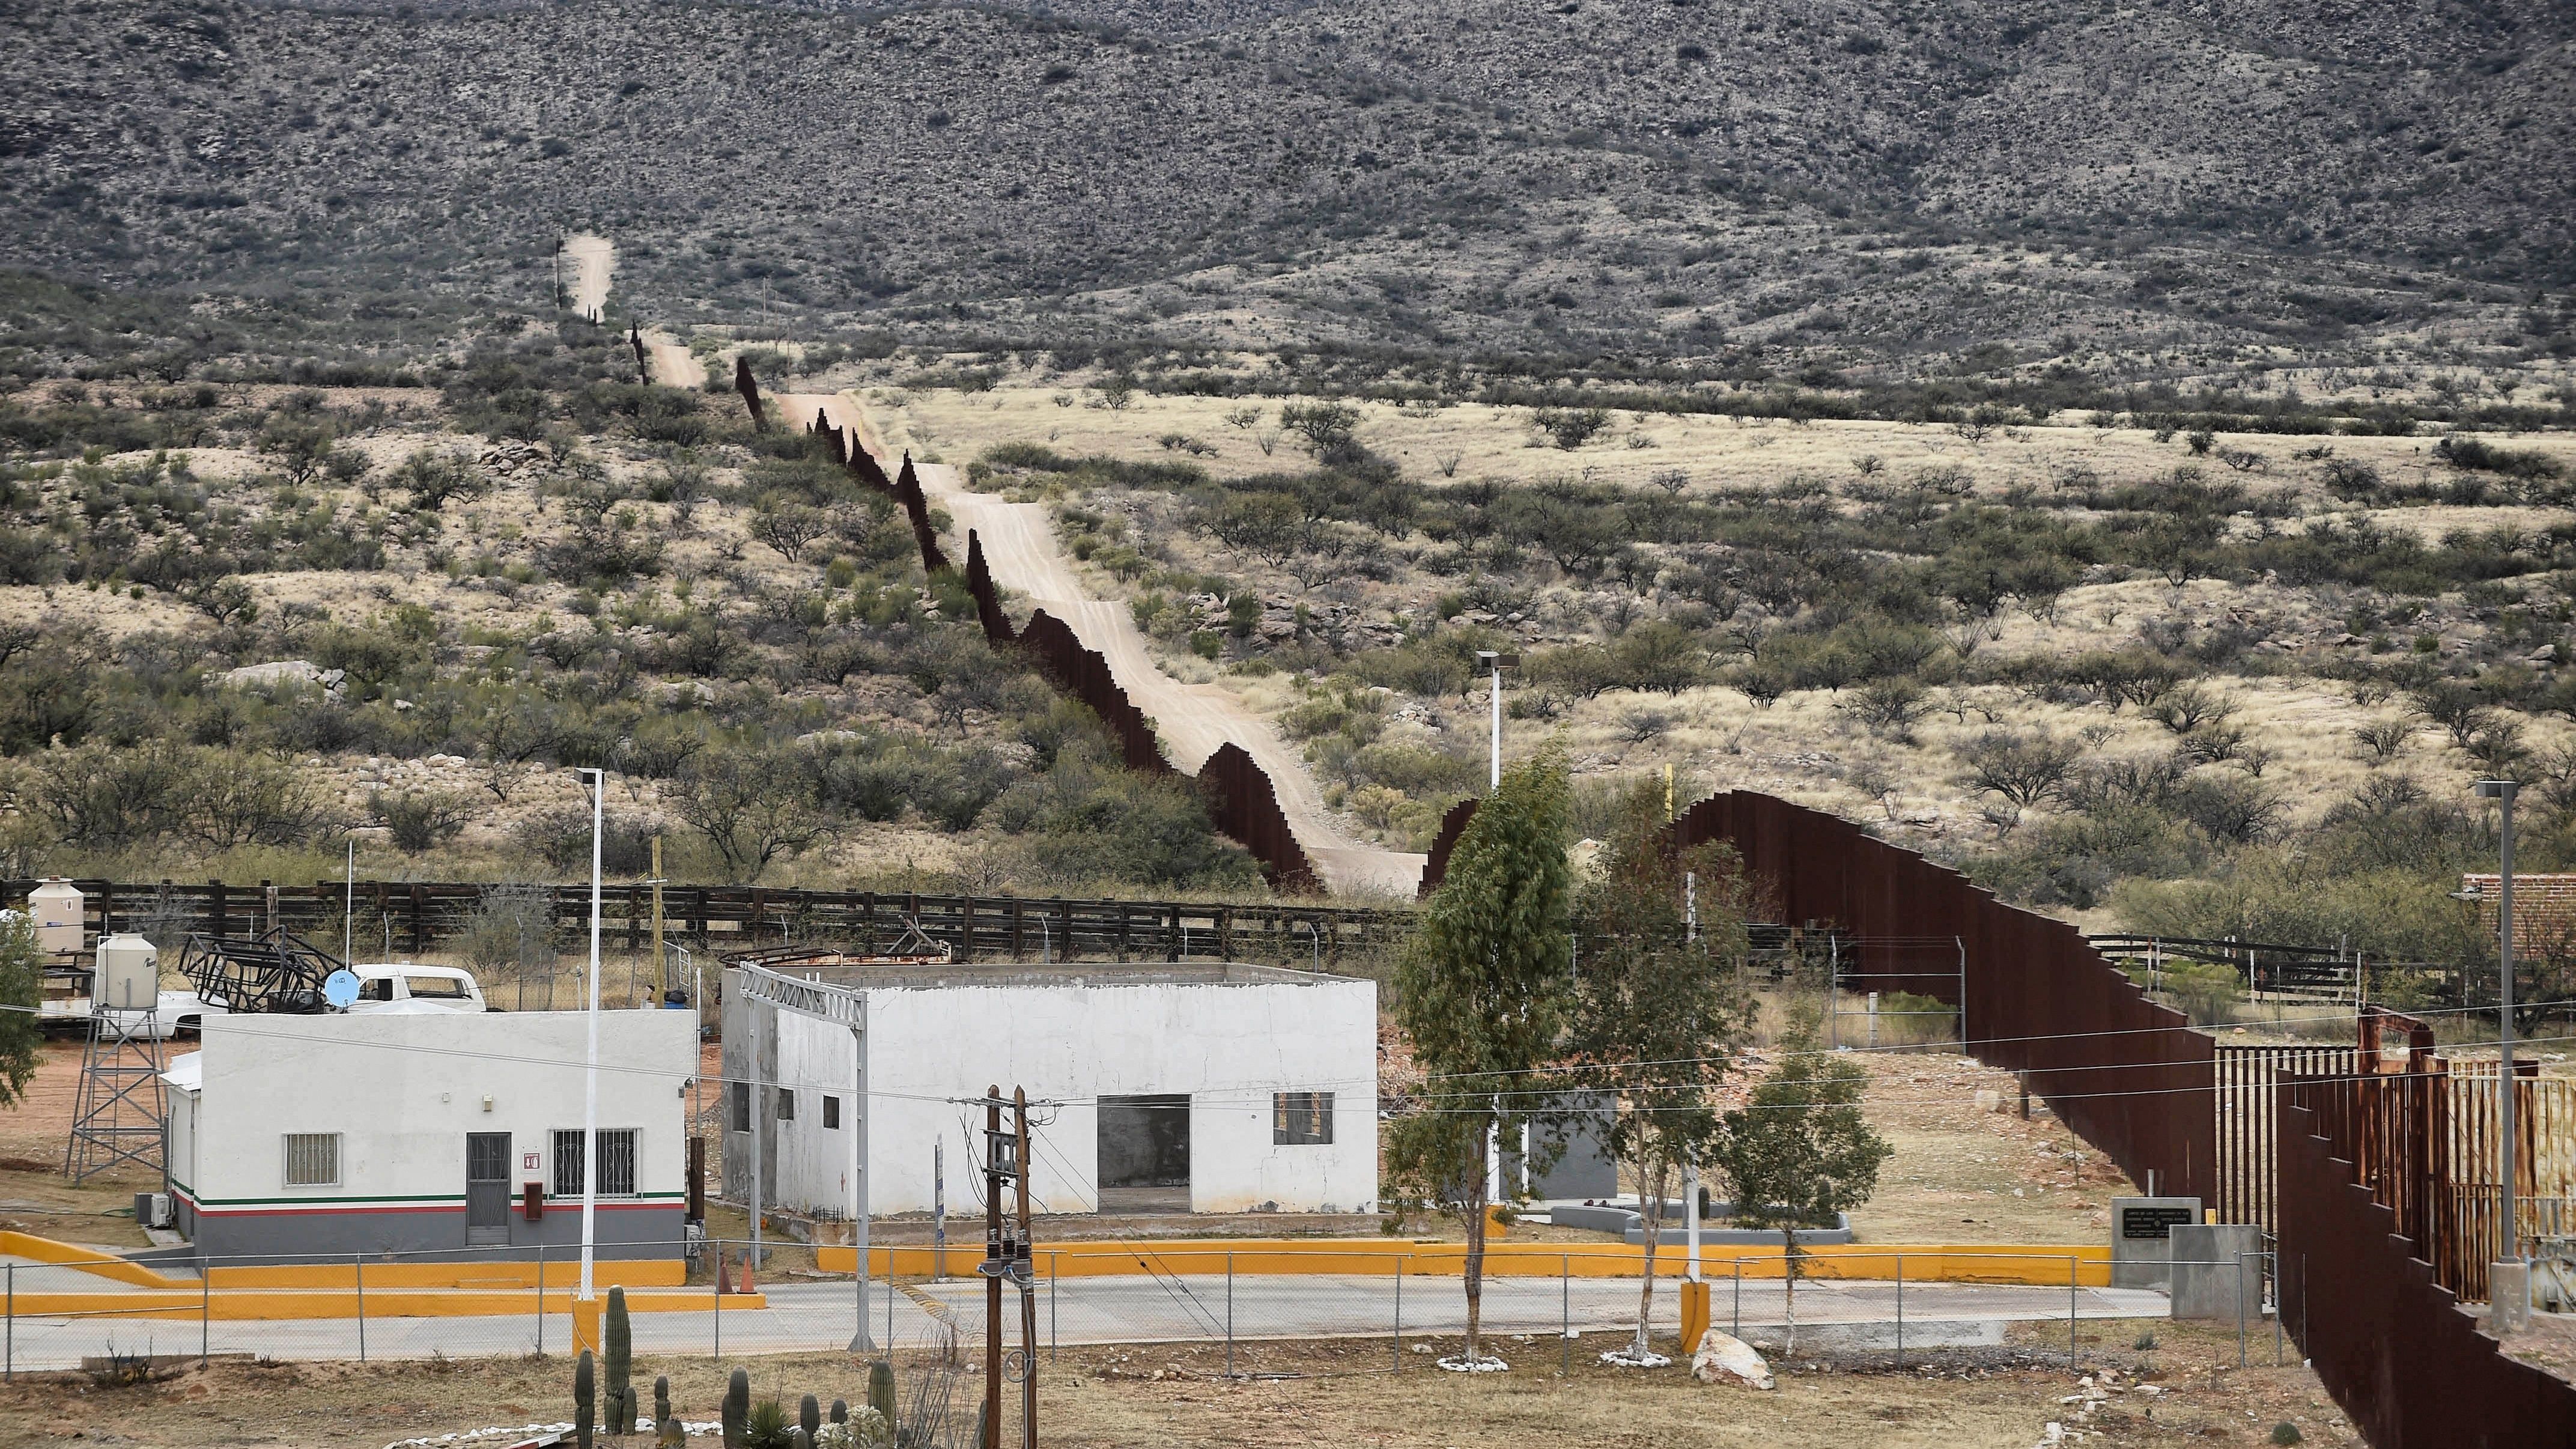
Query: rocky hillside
{"points": [[1781, 184]]}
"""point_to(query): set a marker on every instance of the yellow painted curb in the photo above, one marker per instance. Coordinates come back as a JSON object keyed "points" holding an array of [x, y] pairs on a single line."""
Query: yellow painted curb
{"points": [[238, 1306], [630, 1274], [88, 1260], [2044, 1264]]}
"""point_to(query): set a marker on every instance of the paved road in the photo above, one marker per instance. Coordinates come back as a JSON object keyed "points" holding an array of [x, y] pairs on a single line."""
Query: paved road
{"points": [[1135, 1309]]}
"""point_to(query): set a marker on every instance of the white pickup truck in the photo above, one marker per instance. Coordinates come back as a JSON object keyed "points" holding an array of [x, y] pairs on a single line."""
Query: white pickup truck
{"points": [[384, 988]]}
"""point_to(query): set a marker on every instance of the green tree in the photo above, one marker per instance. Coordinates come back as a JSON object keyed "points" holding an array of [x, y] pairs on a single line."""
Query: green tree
{"points": [[22, 986], [1658, 1007], [1800, 1151], [1480, 991]]}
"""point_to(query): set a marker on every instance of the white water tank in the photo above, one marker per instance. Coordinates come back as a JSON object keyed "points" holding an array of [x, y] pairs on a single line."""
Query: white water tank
{"points": [[129, 973], [56, 905]]}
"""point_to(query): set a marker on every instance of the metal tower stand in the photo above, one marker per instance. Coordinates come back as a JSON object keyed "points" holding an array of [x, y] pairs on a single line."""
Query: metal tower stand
{"points": [[117, 1117]]}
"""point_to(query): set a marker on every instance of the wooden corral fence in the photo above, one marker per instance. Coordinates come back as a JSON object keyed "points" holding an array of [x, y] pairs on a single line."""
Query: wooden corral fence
{"points": [[423, 914]]}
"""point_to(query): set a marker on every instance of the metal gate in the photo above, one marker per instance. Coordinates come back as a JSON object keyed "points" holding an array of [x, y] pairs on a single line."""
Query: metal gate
{"points": [[487, 1187], [2249, 1079]]}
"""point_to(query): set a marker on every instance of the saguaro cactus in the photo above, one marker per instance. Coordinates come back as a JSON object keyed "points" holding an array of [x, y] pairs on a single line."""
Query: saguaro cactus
{"points": [[661, 1399], [585, 1394], [840, 1411], [737, 1408], [809, 1415], [881, 1389], [619, 1340]]}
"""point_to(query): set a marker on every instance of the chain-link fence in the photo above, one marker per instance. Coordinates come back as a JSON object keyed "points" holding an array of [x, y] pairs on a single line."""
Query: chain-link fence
{"points": [[1258, 1308]]}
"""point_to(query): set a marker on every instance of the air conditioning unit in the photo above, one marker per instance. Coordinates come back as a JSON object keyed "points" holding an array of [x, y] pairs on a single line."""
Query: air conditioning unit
{"points": [[152, 1209]]}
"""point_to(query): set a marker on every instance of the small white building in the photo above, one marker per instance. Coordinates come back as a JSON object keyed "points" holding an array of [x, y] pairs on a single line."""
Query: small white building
{"points": [[422, 1133], [1171, 1088]]}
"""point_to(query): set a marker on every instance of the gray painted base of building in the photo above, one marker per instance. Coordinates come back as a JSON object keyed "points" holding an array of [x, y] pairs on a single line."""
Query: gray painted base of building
{"points": [[1630, 1225], [432, 1235]]}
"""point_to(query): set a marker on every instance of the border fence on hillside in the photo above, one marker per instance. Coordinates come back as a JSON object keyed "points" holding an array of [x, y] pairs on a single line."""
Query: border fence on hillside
{"points": [[422, 914]]}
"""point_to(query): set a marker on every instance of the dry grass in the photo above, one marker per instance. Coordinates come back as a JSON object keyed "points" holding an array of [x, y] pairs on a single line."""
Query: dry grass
{"points": [[1330, 1395]]}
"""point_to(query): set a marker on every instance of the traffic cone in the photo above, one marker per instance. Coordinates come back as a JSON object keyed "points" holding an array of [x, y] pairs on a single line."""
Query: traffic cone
{"points": [[746, 1272]]}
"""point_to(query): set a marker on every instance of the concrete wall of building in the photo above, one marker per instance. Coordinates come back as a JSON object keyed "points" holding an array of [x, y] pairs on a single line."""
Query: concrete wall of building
{"points": [[1227, 1046], [403, 1092]]}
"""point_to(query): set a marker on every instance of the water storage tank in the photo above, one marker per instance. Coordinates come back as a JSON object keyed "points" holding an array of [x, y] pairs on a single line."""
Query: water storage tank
{"points": [[56, 905], [129, 973]]}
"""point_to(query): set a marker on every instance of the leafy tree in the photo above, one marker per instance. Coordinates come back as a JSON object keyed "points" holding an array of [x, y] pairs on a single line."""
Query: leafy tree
{"points": [[1327, 427], [1800, 1151], [753, 808], [1479, 990], [22, 984], [1658, 1008]]}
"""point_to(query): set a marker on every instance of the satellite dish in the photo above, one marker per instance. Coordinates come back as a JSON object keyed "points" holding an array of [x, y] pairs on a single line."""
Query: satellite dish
{"points": [[340, 988]]}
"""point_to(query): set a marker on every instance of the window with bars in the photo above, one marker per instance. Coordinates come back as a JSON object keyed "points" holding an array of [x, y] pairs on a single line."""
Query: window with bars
{"points": [[312, 1159], [1301, 1119], [786, 1104], [616, 1162], [742, 1106], [831, 1113]]}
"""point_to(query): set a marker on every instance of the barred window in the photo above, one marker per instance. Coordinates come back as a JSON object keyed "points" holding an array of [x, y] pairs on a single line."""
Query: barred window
{"points": [[312, 1159], [786, 1104], [616, 1162], [831, 1113], [1301, 1118], [742, 1106]]}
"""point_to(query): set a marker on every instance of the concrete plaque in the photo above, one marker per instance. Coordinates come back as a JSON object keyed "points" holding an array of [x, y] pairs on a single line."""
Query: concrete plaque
{"points": [[2142, 1238]]}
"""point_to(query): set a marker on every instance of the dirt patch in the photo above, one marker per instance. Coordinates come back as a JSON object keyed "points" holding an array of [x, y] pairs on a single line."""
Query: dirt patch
{"points": [[2185, 1388]]}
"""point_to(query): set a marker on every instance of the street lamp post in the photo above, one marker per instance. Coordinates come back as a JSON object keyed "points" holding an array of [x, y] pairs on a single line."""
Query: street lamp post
{"points": [[1497, 663], [2502, 792], [590, 1056]]}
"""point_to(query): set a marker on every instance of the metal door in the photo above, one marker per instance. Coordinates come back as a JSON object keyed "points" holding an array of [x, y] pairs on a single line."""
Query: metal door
{"points": [[487, 1187]]}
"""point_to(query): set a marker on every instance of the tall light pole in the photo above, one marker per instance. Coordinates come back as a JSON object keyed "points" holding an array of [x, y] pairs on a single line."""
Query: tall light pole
{"points": [[2502, 792], [1497, 663], [590, 1058]]}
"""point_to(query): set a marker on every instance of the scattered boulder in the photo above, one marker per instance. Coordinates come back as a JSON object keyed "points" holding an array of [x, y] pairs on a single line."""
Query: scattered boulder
{"points": [[1726, 1359], [280, 671]]}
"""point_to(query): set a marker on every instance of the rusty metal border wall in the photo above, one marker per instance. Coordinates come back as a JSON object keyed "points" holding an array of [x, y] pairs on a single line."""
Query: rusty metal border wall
{"points": [[1242, 800], [2125, 1074], [2389, 1343]]}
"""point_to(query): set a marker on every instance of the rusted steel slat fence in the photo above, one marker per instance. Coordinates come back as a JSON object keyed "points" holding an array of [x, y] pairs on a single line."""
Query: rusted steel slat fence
{"points": [[2249, 1079]]}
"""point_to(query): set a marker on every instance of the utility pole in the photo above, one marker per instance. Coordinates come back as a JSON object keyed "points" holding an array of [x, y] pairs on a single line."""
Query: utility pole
{"points": [[997, 1149], [2502, 792], [661, 970], [1025, 1270], [1006, 1256]]}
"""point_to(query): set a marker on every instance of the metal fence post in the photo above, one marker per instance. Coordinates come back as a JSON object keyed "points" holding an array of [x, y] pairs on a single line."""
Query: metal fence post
{"points": [[1739, 1297], [2070, 1307], [9, 1348], [717, 1291], [2240, 1309], [1399, 1315], [1565, 1307], [1229, 1313], [541, 1300], [1900, 1310], [358, 1266], [205, 1311], [2275, 1256], [1055, 1280]]}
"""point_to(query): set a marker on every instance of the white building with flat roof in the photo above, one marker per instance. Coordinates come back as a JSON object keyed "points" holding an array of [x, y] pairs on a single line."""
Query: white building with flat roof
{"points": [[1176, 1088], [423, 1133]]}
